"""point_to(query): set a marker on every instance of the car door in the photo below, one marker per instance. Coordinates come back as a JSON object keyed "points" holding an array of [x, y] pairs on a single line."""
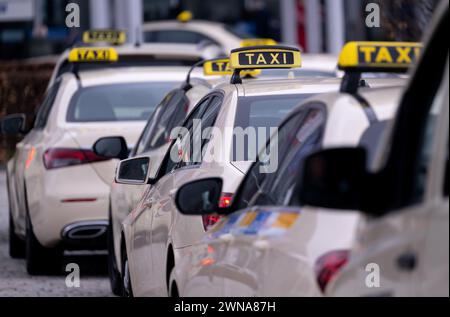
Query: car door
{"points": [[249, 256], [26, 152], [150, 239], [168, 225]]}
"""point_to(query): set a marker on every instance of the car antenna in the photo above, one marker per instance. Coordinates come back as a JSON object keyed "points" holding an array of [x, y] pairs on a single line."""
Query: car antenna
{"points": [[187, 83]]}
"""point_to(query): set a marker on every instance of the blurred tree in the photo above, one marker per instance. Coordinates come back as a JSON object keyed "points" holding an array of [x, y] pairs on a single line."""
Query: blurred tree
{"points": [[406, 20]]}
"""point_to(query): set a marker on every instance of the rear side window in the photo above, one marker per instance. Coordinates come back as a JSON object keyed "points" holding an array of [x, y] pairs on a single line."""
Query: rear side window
{"points": [[260, 114], [118, 102], [44, 110], [172, 115]]}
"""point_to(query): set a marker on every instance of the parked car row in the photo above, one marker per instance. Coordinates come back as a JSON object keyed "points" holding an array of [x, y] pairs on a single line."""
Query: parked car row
{"points": [[206, 174]]}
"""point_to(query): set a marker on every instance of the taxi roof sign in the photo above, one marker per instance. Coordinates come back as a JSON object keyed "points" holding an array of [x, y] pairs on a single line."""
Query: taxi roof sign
{"points": [[258, 57], [379, 56], [185, 16], [257, 42], [104, 36], [93, 54], [221, 67]]}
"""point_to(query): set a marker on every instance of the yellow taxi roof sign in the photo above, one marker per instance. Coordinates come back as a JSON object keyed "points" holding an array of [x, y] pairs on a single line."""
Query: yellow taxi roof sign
{"points": [[221, 67], [259, 57], [257, 42], [105, 36], [379, 56], [185, 16], [93, 54]]}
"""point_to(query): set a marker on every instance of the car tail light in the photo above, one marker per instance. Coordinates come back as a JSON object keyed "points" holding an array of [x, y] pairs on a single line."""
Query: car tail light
{"points": [[225, 200], [328, 265], [60, 157], [210, 220]]}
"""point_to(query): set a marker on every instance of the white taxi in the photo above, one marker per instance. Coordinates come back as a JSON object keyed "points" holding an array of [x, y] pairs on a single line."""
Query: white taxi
{"points": [[153, 142], [134, 55], [58, 187], [402, 243], [154, 233], [267, 245]]}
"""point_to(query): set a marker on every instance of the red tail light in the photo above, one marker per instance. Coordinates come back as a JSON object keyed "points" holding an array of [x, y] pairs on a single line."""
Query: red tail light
{"points": [[210, 220], [328, 265], [60, 157], [225, 200]]}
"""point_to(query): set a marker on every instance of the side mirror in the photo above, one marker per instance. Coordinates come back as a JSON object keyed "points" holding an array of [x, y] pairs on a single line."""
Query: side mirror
{"points": [[133, 171], [111, 147], [336, 179], [13, 124], [199, 197]]}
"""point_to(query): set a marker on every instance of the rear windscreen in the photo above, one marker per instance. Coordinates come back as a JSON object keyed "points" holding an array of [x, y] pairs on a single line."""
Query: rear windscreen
{"points": [[261, 114], [118, 102]]}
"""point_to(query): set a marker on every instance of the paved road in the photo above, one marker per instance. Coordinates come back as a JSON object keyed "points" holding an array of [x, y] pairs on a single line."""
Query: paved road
{"points": [[14, 280]]}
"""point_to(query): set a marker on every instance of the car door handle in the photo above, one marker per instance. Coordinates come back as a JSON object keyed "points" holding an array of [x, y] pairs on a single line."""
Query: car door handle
{"points": [[407, 261], [149, 203]]}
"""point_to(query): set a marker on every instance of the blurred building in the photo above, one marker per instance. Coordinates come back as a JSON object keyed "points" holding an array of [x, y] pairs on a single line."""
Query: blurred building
{"points": [[37, 27]]}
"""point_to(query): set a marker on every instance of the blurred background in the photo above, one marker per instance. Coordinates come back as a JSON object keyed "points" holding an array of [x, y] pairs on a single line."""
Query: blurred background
{"points": [[34, 32]]}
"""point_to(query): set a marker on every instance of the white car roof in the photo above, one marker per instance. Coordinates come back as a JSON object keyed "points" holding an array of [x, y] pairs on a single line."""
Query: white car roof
{"points": [[132, 74], [150, 26], [264, 87]]}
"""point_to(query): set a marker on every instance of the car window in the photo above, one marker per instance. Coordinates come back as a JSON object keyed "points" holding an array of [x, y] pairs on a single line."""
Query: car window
{"points": [[371, 139], [46, 106], [117, 102], [172, 115], [154, 118], [179, 148], [425, 152], [176, 36], [260, 114], [253, 181], [278, 187], [446, 176]]}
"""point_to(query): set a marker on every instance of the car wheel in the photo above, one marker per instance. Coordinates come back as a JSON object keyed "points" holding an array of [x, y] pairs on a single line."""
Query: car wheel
{"points": [[127, 290], [114, 275], [40, 260], [16, 244]]}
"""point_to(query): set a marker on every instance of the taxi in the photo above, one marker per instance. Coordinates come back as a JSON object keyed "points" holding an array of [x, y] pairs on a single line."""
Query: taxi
{"points": [[153, 142], [402, 243], [267, 244], [58, 187], [134, 55], [198, 32], [155, 233]]}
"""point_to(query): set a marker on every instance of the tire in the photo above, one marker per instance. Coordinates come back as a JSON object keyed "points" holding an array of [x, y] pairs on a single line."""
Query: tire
{"points": [[16, 244], [40, 260], [127, 290], [115, 279]]}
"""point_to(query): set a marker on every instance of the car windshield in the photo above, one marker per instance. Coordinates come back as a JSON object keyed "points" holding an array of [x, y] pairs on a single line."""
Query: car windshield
{"points": [[261, 115], [117, 102]]}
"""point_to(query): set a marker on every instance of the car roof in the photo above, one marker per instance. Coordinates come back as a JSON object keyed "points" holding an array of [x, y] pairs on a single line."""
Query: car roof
{"points": [[131, 74], [149, 26], [164, 49], [264, 87]]}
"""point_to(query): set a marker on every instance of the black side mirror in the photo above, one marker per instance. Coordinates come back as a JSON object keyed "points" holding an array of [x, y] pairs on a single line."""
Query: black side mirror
{"points": [[200, 197], [133, 171], [13, 124], [111, 147], [335, 178]]}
